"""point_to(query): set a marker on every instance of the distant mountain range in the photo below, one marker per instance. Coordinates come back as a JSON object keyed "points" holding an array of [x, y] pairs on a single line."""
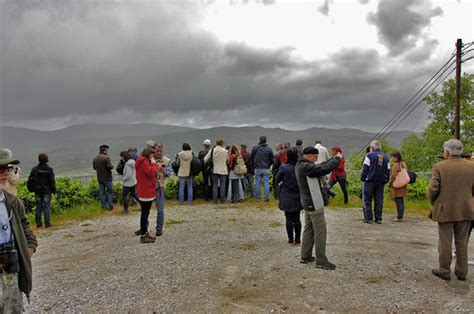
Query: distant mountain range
{"points": [[72, 149]]}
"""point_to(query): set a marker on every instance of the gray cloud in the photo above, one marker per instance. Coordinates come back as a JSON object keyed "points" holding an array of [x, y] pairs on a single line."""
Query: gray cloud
{"points": [[112, 62], [324, 8], [363, 1], [401, 23]]}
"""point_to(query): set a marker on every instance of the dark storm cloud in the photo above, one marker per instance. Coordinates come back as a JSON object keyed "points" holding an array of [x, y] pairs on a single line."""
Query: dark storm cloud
{"points": [[148, 62], [401, 23]]}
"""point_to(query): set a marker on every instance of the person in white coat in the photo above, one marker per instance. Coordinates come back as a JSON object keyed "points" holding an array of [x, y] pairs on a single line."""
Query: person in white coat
{"points": [[216, 159], [129, 180]]}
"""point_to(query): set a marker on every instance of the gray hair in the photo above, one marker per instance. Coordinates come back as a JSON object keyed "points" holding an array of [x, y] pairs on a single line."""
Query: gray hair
{"points": [[375, 145], [454, 147]]}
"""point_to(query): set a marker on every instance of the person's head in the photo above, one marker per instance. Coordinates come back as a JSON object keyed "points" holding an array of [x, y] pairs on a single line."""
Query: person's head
{"points": [[299, 143], [186, 146], [263, 140], [133, 149], [243, 147], [233, 149], [311, 153], [160, 146], [158, 153], [292, 156], [375, 145], [397, 157], [125, 155], [335, 150], [317, 142], [220, 142], [452, 148], [206, 143], [278, 147], [7, 164], [43, 159], [104, 149], [148, 152], [367, 149], [287, 146], [151, 144]]}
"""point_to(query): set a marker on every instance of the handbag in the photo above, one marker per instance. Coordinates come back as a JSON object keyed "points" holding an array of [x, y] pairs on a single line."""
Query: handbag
{"points": [[402, 179]]}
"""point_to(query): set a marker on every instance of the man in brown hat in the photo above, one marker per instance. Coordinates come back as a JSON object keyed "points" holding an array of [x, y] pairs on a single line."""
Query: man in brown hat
{"points": [[17, 243], [103, 166], [451, 192]]}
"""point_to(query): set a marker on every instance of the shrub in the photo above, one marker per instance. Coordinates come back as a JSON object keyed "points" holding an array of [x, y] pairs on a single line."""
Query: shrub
{"points": [[172, 188], [70, 193], [27, 197], [92, 190], [118, 191]]}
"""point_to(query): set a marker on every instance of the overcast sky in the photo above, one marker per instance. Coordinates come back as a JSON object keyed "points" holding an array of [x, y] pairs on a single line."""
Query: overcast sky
{"points": [[290, 64]]}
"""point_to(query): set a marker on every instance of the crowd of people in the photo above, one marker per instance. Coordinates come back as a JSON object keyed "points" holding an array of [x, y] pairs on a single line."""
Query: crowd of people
{"points": [[303, 178]]}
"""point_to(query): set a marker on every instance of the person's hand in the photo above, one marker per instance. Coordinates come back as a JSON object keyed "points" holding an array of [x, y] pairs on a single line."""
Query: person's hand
{"points": [[153, 160], [339, 154], [31, 251]]}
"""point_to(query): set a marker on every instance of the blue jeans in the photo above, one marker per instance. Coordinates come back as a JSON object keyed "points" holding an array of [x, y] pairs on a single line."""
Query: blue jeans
{"points": [[374, 191], [182, 182], [43, 204], [262, 174], [109, 197], [400, 207], [160, 206], [218, 180]]}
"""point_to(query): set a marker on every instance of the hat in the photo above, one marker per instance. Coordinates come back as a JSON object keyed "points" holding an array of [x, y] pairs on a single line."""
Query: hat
{"points": [[310, 150], [6, 157], [151, 143], [103, 147], [206, 142]]}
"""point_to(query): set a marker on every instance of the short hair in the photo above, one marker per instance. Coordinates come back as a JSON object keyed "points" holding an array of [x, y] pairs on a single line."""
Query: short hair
{"points": [[43, 158], [186, 146], [220, 142], [375, 145], [299, 142], [244, 146], [126, 155], [454, 147], [147, 152], [317, 142], [398, 156], [292, 156], [132, 149], [263, 139]]}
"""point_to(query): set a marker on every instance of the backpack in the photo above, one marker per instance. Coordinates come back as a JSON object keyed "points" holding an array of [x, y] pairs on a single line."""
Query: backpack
{"points": [[175, 164], [120, 167], [30, 184], [196, 166], [240, 167], [412, 176]]}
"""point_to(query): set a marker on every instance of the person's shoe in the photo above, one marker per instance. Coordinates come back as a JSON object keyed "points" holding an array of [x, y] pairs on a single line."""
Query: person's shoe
{"points": [[266, 200], [39, 226], [146, 238], [111, 208], [460, 278], [307, 260], [326, 266], [436, 273], [470, 262], [297, 242], [159, 233], [138, 232], [378, 222], [48, 226], [290, 242], [125, 211], [368, 221]]}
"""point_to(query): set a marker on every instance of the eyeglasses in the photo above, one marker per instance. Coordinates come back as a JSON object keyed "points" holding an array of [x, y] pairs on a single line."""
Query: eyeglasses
{"points": [[5, 169]]}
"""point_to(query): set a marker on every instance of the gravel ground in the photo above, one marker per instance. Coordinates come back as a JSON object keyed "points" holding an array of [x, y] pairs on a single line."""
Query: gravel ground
{"points": [[235, 259]]}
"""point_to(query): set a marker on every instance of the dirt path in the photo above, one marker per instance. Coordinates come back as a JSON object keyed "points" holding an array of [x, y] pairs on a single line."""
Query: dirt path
{"points": [[235, 259]]}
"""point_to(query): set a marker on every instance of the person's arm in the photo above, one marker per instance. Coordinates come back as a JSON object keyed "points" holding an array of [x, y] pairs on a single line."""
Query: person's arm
{"points": [[252, 155], [279, 176], [434, 187], [319, 170], [30, 236], [109, 164], [365, 168], [53, 182], [93, 164], [208, 155], [127, 174]]}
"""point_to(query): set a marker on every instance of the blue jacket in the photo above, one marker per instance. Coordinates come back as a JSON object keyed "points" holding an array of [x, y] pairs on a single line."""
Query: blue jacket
{"points": [[376, 168], [289, 198], [262, 156]]}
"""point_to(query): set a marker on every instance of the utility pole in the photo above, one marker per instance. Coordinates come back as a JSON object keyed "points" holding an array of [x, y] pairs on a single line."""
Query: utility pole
{"points": [[457, 115]]}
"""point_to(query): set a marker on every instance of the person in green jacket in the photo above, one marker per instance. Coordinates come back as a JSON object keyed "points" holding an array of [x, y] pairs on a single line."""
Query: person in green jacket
{"points": [[17, 243]]}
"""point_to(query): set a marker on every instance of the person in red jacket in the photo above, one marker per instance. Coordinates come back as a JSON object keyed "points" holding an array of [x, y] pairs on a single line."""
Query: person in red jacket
{"points": [[146, 172], [339, 174]]}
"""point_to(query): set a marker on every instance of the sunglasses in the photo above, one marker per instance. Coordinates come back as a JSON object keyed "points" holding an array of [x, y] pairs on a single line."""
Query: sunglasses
{"points": [[4, 169]]}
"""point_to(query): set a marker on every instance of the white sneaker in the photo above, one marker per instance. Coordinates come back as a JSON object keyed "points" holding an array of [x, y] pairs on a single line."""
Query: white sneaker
{"points": [[470, 262]]}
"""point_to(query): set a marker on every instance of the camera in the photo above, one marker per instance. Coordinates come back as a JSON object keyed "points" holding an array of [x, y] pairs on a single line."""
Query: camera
{"points": [[9, 258], [331, 193]]}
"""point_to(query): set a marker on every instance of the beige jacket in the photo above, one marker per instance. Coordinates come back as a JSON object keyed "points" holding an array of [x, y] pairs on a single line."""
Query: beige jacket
{"points": [[185, 158], [451, 190], [219, 158]]}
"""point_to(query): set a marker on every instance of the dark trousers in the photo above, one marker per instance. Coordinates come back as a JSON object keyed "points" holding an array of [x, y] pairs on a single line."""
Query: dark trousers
{"points": [[470, 230], [400, 207], [207, 178], [235, 190], [343, 183], [216, 180], [293, 226], [373, 191], [126, 191], [43, 204], [145, 212]]}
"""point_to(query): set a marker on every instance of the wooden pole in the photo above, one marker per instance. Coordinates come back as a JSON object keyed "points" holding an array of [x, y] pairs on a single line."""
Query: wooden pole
{"points": [[457, 115]]}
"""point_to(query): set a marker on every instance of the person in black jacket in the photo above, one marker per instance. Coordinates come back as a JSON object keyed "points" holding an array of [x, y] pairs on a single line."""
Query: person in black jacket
{"points": [[309, 176], [289, 198], [261, 159], [44, 184]]}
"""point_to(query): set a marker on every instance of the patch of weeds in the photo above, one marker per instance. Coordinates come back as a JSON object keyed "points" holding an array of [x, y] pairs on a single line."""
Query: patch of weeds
{"points": [[170, 222], [232, 219], [87, 231], [69, 235], [275, 224]]}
